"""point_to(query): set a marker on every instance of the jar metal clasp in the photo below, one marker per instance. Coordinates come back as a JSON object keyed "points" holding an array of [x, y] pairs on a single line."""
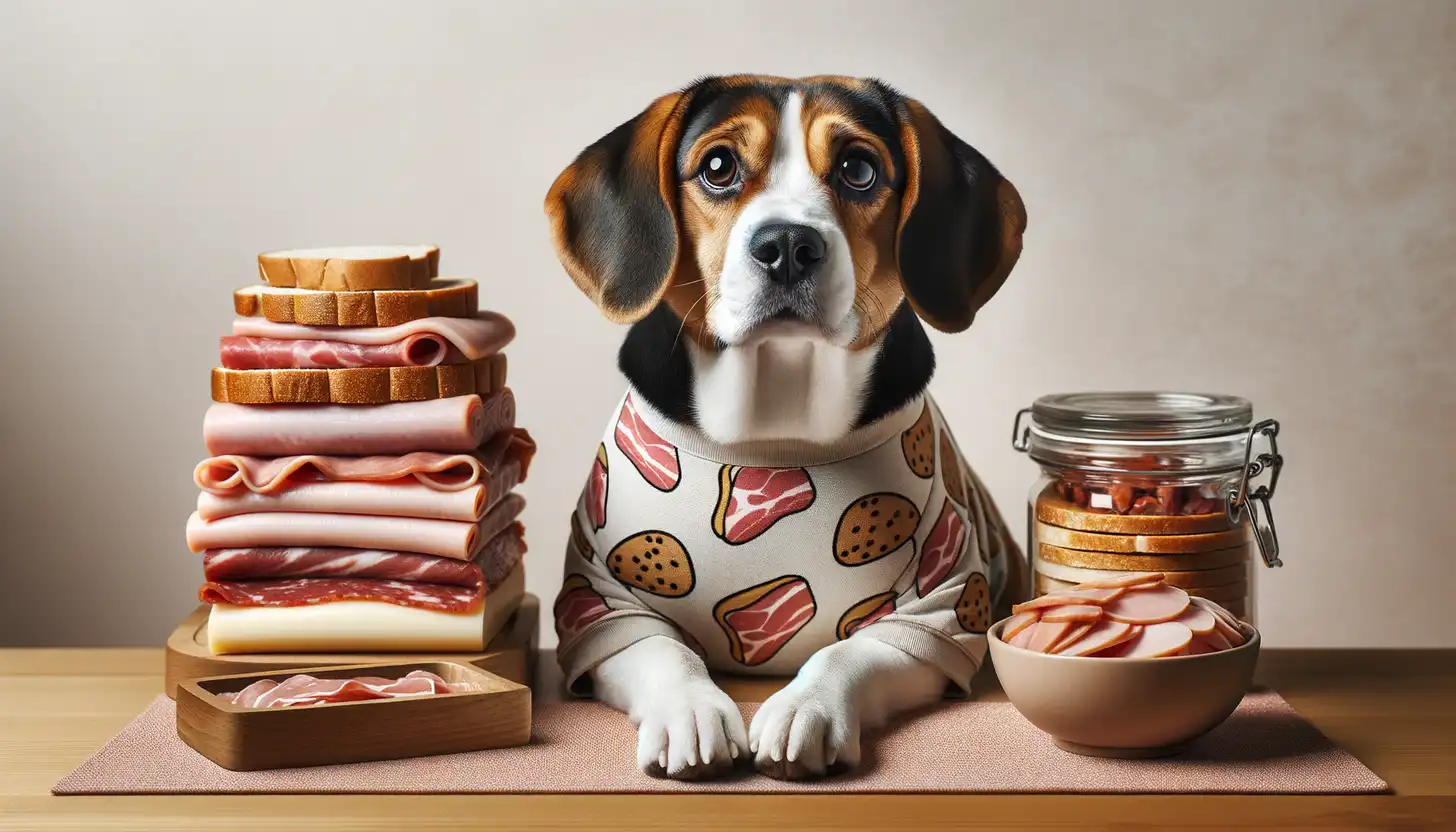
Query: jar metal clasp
{"points": [[1241, 499]]}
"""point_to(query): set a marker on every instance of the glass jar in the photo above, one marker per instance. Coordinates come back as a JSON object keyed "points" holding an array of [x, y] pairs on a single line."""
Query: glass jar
{"points": [[1150, 482]]}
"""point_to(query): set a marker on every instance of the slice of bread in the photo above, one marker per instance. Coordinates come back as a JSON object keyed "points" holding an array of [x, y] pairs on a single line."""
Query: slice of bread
{"points": [[446, 298], [1055, 511], [350, 268], [1073, 575], [1217, 559], [1147, 544], [357, 385]]}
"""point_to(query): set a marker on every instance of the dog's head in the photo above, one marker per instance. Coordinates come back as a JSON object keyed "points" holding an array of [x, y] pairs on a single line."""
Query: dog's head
{"points": [[747, 201]]}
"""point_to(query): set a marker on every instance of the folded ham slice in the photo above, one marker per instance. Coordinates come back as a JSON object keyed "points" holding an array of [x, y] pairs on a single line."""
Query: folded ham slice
{"points": [[458, 423], [445, 538], [480, 337], [223, 475], [303, 690], [238, 352]]}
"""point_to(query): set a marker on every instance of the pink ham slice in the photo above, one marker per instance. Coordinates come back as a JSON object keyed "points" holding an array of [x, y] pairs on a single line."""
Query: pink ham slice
{"points": [[480, 337], [224, 475], [444, 538], [1102, 635], [653, 457], [1129, 579], [1069, 596], [1017, 623], [1072, 612], [458, 423], [1046, 634], [1213, 640], [1197, 619], [1078, 629], [238, 352], [1151, 606], [1023, 638], [941, 551], [1161, 639], [298, 592], [303, 690]]}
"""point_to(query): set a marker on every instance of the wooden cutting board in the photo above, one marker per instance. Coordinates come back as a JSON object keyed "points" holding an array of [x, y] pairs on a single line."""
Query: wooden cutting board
{"points": [[510, 653]]}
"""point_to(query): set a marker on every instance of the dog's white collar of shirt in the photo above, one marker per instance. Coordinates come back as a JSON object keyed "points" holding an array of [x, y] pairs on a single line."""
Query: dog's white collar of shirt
{"points": [[778, 452]]}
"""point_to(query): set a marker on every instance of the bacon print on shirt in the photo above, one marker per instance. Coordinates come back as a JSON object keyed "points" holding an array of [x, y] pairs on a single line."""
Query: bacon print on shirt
{"points": [[941, 551], [750, 500], [760, 620], [653, 457], [596, 490], [865, 613], [577, 606]]}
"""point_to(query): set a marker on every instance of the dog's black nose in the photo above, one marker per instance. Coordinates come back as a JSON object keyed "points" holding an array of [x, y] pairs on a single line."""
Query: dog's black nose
{"points": [[789, 253]]}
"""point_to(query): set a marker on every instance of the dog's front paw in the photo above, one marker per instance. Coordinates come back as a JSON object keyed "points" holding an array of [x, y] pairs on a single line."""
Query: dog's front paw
{"points": [[693, 733], [806, 730]]}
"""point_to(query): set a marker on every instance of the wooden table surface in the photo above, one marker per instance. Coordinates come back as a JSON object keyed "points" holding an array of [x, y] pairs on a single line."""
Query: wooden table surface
{"points": [[1394, 710]]}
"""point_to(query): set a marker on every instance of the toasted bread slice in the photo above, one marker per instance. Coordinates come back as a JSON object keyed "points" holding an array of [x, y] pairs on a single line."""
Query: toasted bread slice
{"points": [[447, 298], [350, 268], [1217, 559], [1146, 544], [356, 385], [1055, 511]]}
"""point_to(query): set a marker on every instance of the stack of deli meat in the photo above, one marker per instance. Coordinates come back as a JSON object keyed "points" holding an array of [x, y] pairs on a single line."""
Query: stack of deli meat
{"points": [[359, 493]]}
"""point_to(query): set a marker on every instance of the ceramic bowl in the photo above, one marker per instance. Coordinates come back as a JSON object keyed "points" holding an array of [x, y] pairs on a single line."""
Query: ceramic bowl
{"points": [[1109, 707]]}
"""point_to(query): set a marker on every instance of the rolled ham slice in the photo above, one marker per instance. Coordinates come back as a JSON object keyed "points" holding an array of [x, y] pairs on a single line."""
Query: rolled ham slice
{"points": [[480, 337], [238, 352], [458, 423], [223, 475], [444, 538]]}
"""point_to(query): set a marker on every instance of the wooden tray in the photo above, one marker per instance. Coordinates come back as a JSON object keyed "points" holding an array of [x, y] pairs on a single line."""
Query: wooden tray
{"points": [[498, 715], [510, 655]]}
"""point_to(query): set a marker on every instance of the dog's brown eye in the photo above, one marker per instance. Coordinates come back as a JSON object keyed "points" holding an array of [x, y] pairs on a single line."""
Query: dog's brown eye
{"points": [[857, 169], [720, 168]]}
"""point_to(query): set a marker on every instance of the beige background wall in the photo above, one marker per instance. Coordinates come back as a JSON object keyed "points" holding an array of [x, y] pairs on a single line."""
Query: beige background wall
{"points": [[1256, 198]]}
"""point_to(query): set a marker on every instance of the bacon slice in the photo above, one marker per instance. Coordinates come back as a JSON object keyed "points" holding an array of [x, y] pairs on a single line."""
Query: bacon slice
{"points": [[941, 551], [751, 500], [596, 490], [223, 475], [298, 592], [653, 457], [760, 620]]}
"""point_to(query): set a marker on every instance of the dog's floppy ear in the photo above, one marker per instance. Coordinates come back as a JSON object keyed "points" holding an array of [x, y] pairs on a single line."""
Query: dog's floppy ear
{"points": [[614, 212], [960, 223]]}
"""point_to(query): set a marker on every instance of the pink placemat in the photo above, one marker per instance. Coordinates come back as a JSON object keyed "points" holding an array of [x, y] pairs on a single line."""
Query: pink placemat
{"points": [[1265, 747]]}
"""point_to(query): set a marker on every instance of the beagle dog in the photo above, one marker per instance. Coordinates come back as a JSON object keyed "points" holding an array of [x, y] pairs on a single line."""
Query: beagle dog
{"points": [[777, 493]]}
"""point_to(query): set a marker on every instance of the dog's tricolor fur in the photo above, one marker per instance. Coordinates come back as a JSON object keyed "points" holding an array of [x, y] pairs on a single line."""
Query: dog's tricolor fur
{"points": [[656, 222]]}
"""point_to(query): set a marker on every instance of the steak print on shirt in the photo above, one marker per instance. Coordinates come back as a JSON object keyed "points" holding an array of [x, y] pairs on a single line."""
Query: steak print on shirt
{"points": [[760, 620], [653, 457], [750, 500]]}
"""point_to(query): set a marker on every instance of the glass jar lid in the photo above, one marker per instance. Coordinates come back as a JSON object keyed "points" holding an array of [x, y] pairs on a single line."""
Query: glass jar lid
{"points": [[1141, 415]]}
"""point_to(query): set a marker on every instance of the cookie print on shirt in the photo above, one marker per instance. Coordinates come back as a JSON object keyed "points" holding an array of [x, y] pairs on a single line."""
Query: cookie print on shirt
{"points": [[580, 540], [654, 457], [973, 610], [875, 526], [950, 470], [760, 620], [654, 562], [751, 500], [577, 606], [595, 494], [916, 446]]}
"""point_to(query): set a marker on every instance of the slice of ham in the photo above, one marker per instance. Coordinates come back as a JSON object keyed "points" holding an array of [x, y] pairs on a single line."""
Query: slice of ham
{"points": [[1023, 638], [1197, 619], [445, 538], [1161, 639], [458, 423], [1073, 612], [1213, 641], [1125, 580], [223, 475], [298, 592], [1151, 606], [1017, 623], [303, 690], [239, 352], [480, 337], [1102, 635], [1069, 596], [1045, 634]]}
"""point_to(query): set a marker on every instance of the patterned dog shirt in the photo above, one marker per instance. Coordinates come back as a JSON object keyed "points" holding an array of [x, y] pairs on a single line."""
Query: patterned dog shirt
{"points": [[758, 556]]}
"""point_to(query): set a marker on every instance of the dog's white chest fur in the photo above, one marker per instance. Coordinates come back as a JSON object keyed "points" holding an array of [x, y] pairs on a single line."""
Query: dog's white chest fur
{"points": [[778, 388]]}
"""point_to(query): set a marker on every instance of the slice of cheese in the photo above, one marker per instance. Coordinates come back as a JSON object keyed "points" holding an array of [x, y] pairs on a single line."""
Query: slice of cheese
{"points": [[343, 627]]}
